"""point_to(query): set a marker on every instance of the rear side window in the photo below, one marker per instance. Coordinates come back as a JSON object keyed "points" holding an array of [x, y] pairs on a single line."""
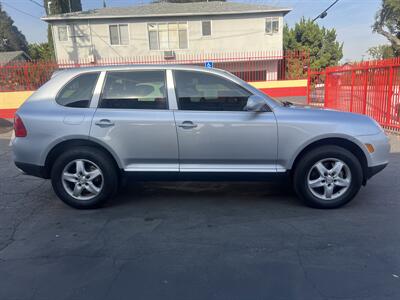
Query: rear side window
{"points": [[78, 92], [204, 91], [134, 90]]}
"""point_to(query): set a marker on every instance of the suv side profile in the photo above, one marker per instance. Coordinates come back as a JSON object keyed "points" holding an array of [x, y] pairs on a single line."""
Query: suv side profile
{"points": [[87, 128]]}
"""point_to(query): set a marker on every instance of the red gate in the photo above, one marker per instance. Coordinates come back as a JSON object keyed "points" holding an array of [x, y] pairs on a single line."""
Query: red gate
{"points": [[371, 88], [316, 87]]}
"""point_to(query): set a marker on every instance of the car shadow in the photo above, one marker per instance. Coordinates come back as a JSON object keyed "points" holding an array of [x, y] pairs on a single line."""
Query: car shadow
{"points": [[194, 191]]}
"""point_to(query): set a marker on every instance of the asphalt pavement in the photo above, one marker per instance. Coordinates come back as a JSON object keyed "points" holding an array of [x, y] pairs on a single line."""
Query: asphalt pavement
{"points": [[166, 240]]}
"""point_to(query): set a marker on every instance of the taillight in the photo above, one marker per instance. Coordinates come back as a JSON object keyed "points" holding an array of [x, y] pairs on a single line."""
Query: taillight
{"points": [[19, 127]]}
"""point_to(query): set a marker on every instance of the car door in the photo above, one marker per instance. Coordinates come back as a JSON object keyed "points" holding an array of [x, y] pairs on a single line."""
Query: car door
{"points": [[134, 121], [215, 134]]}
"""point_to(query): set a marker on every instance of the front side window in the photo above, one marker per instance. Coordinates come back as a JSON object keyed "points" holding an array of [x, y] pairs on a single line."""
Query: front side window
{"points": [[206, 28], [78, 92], [134, 90], [167, 36], [62, 33], [119, 34], [272, 25], [208, 92]]}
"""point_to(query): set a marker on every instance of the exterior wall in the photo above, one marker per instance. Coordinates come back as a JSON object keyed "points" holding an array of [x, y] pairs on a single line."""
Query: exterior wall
{"points": [[244, 33], [11, 101]]}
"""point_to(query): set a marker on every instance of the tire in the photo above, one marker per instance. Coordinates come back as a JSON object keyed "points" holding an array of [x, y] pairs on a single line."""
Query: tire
{"points": [[95, 184], [331, 191]]}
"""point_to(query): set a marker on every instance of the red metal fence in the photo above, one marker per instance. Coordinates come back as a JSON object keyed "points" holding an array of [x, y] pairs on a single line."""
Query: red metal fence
{"points": [[250, 66], [371, 88]]}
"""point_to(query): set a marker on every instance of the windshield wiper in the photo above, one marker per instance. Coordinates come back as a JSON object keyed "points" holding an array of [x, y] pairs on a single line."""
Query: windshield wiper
{"points": [[287, 103]]}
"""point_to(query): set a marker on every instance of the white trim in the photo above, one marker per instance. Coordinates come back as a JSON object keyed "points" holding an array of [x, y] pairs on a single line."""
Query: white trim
{"points": [[97, 90], [172, 103], [282, 10], [174, 167]]}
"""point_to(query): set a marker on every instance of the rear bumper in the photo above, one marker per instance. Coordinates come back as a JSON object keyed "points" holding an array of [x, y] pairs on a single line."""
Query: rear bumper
{"points": [[375, 170], [34, 170]]}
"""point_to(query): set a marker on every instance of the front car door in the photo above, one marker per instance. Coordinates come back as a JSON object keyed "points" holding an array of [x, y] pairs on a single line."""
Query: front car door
{"points": [[133, 120], [215, 134]]}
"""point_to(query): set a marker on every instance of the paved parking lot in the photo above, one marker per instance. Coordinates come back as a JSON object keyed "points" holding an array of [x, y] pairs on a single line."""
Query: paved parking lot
{"points": [[197, 241]]}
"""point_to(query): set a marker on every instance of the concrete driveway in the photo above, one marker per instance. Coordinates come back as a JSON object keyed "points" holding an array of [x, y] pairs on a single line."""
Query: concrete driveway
{"points": [[197, 241]]}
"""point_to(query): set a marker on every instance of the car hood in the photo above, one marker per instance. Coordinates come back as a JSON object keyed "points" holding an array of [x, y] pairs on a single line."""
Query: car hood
{"points": [[330, 120]]}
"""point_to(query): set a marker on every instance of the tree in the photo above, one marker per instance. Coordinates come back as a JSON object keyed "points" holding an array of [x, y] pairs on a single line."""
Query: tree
{"points": [[381, 52], [318, 41], [387, 23], [11, 39], [40, 51]]}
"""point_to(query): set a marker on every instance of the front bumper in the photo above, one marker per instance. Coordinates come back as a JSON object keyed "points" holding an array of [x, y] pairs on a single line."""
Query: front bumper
{"points": [[379, 158], [375, 170]]}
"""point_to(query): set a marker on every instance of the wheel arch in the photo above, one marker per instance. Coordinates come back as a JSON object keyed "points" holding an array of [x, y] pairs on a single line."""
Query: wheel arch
{"points": [[336, 141], [72, 143]]}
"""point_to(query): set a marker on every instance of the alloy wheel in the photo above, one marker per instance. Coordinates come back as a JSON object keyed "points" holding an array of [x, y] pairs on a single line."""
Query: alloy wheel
{"points": [[82, 179], [329, 178]]}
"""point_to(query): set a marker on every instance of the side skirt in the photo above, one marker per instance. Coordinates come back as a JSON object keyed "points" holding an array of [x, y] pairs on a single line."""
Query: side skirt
{"points": [[206, 176]]}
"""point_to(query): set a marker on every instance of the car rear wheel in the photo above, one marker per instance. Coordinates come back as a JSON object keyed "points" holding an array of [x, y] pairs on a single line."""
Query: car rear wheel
{"points": [[328, 177], [84, 177]]}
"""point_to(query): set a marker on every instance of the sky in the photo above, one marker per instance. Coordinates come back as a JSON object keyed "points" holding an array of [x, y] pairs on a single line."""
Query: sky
{"points": [[352, 19]]}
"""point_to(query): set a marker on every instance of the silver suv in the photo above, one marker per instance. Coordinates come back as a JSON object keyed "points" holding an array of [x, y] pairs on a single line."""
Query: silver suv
{"points": [[87, 128]]}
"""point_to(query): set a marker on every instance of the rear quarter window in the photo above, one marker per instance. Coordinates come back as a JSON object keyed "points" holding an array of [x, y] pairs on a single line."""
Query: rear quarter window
{"points": [[78, 92]]}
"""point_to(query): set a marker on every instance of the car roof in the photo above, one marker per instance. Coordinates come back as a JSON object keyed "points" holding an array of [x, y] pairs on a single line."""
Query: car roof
{"points": [[86, 69]]}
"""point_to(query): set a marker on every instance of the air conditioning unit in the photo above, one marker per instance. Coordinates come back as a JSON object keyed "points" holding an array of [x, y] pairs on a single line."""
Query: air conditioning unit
{"points": [[169, 54]]}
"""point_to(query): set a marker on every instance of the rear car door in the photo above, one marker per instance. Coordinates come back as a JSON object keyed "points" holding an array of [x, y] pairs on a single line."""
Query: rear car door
{"points": [[215, 134], [134, 121]]}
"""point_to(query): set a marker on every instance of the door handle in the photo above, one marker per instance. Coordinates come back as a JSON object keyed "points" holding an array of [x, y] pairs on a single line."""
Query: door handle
{"points": [[104, 123], [187, 125]]}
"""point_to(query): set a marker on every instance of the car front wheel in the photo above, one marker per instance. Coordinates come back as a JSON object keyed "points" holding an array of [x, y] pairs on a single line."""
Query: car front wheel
{"points": [[328, 177], [84, 177]]}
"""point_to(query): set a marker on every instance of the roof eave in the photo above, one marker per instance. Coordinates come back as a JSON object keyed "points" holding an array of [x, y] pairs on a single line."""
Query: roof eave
{"points": [[62, 17]]}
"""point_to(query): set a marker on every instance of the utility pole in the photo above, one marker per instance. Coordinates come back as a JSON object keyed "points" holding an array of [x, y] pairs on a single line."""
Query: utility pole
{"points": [[49, 8]]}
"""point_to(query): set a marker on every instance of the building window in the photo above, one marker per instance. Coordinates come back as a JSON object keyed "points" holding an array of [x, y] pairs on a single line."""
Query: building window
{"points": [[167, 36], [62, 33], [272, 25], [119, 34], [206, 28]]}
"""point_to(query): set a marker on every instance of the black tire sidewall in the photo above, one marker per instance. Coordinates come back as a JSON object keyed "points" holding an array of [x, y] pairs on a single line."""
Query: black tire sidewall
{"points": [[102, 160], [315, 155]]}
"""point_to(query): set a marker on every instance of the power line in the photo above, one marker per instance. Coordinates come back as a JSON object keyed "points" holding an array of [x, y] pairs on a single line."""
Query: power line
{"points": [[37, 3], [19, 10], [324, 13]]}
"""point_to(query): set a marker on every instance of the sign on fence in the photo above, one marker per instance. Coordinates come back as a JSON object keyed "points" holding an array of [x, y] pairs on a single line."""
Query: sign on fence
{"points": [[209, 64]]}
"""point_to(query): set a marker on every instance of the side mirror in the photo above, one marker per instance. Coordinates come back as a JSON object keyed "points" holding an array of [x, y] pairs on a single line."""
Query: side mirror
{"points": [[255, 103]]}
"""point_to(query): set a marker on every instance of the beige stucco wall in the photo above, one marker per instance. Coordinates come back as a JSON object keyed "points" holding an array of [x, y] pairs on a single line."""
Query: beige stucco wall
{"points": [[239, 33]]}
